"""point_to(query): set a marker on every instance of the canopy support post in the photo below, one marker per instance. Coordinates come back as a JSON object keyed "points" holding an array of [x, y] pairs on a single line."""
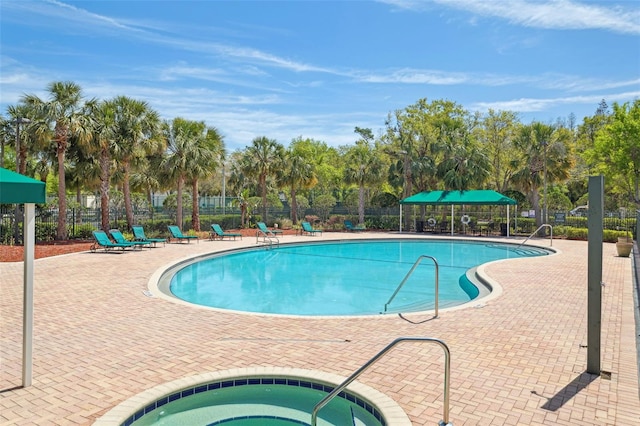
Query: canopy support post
{"points": [[27, 333]]}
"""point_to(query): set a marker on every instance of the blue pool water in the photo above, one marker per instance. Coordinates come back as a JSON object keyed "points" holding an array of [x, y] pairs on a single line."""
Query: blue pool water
{"points": [[339, 278]]}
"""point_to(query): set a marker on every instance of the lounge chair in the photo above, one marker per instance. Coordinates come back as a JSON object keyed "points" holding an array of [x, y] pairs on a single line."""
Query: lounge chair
{"points": [[138, 235], [217, 232], [270, 232], [178, 235], [308, 229], [349, 227], [102, 240], [120, 239]]}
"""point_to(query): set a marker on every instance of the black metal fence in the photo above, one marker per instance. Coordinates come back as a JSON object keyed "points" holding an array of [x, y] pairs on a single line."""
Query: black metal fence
{"points": [[82, 221]]}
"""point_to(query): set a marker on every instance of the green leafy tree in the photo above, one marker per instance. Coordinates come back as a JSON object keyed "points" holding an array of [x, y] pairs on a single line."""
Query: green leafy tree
{"points": [[616, 152], [496, 136]]}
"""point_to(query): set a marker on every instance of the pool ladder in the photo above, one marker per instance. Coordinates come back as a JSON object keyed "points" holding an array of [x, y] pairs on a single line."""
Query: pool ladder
{"points": [[266, 239], [413, 268], [544, 225], [358, 372]]}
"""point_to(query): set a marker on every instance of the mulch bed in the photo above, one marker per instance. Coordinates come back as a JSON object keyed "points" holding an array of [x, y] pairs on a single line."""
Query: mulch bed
{"points": [[16, 253]]}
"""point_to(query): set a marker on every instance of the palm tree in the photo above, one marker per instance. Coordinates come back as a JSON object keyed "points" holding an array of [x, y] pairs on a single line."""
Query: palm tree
{"points": [[207, 151], [364, 167], [192, 149], [102, 147], [266, 156], [545, 158], [297, 172], [61, 117], [135, 131]]}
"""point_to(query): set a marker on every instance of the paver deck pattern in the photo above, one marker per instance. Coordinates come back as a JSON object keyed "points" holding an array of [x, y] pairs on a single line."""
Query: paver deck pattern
{"points": [[518, 359]]}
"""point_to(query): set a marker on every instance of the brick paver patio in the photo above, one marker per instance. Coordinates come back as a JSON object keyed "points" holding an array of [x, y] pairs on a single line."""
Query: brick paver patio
{"points": [[517, 359]]}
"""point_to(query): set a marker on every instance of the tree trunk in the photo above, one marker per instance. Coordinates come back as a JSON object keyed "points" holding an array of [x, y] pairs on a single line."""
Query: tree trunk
{"points": [[179, 202], [126, 191], [535, 203], [61, 232], [263, 187], [294, 206], [78, 217], [104, 189], [361, 205], [195, 212]]}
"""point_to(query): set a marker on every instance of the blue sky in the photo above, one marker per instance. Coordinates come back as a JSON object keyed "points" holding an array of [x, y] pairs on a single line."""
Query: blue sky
{"points": [[318, 69]]}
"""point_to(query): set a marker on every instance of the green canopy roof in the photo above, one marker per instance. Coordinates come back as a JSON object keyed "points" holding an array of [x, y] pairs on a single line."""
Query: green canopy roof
{"points": [[478, 196], [19, 189]]}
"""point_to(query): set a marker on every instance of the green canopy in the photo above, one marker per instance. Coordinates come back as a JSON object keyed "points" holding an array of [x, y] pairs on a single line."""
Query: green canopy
{"points": [[478, 196], [18, 189]]}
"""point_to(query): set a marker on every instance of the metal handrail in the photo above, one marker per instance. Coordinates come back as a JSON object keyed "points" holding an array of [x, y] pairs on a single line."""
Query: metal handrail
{"points": [[415, 265], [343, 385], [544, 225], [266, 238]]}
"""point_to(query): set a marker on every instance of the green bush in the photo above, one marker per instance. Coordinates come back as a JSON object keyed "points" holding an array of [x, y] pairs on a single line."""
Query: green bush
{"points": [[84, 231]]}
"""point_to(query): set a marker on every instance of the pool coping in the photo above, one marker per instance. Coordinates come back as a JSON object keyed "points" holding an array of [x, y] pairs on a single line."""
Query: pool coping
{"points": [[391, 412]]}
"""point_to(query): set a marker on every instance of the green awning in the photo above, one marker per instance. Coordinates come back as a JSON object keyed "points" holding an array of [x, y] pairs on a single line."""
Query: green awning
{"points": [[19, 189], [478, 196]]}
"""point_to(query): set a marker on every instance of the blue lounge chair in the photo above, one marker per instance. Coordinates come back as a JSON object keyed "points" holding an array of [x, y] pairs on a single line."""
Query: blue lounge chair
{"points": [[178, 235], [217, 232], [102, 240], [120, 239], [138, 234], [307, 229], [270, 232], [349, 227]]}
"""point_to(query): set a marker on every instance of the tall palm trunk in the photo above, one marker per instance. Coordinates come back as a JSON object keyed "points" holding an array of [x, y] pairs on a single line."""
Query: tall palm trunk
{"points": [[61, 232], [126, 191], [361, 204], [263, 187], [104, 189], [294, 206], [195, 212], [179, 201]]}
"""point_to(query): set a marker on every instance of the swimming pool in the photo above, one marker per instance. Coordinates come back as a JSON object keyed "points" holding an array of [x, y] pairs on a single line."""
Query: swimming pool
{"points": [[269, 396], [336, 278]]}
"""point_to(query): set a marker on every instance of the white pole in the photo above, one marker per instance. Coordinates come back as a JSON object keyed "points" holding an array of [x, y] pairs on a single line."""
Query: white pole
{"points": [[27, 334], [508, 220], [451, 219], [400, 218]]}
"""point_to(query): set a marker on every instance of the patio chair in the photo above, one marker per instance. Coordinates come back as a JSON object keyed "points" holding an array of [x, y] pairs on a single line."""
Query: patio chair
{"points": [[307, 229], [349, 227], [102, 240], [270, 232], [217, 232], [138, 235], [178, 235], [120, 239]]}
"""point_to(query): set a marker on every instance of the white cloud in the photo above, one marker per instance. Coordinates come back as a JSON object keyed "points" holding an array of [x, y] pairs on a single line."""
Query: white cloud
{"points": [[541, 104], [555, 14]]}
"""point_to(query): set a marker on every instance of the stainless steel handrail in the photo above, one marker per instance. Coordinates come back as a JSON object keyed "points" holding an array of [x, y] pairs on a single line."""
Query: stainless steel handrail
{"points": [[544, 225], [415, 265], [266, 238], [343, 385]]}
